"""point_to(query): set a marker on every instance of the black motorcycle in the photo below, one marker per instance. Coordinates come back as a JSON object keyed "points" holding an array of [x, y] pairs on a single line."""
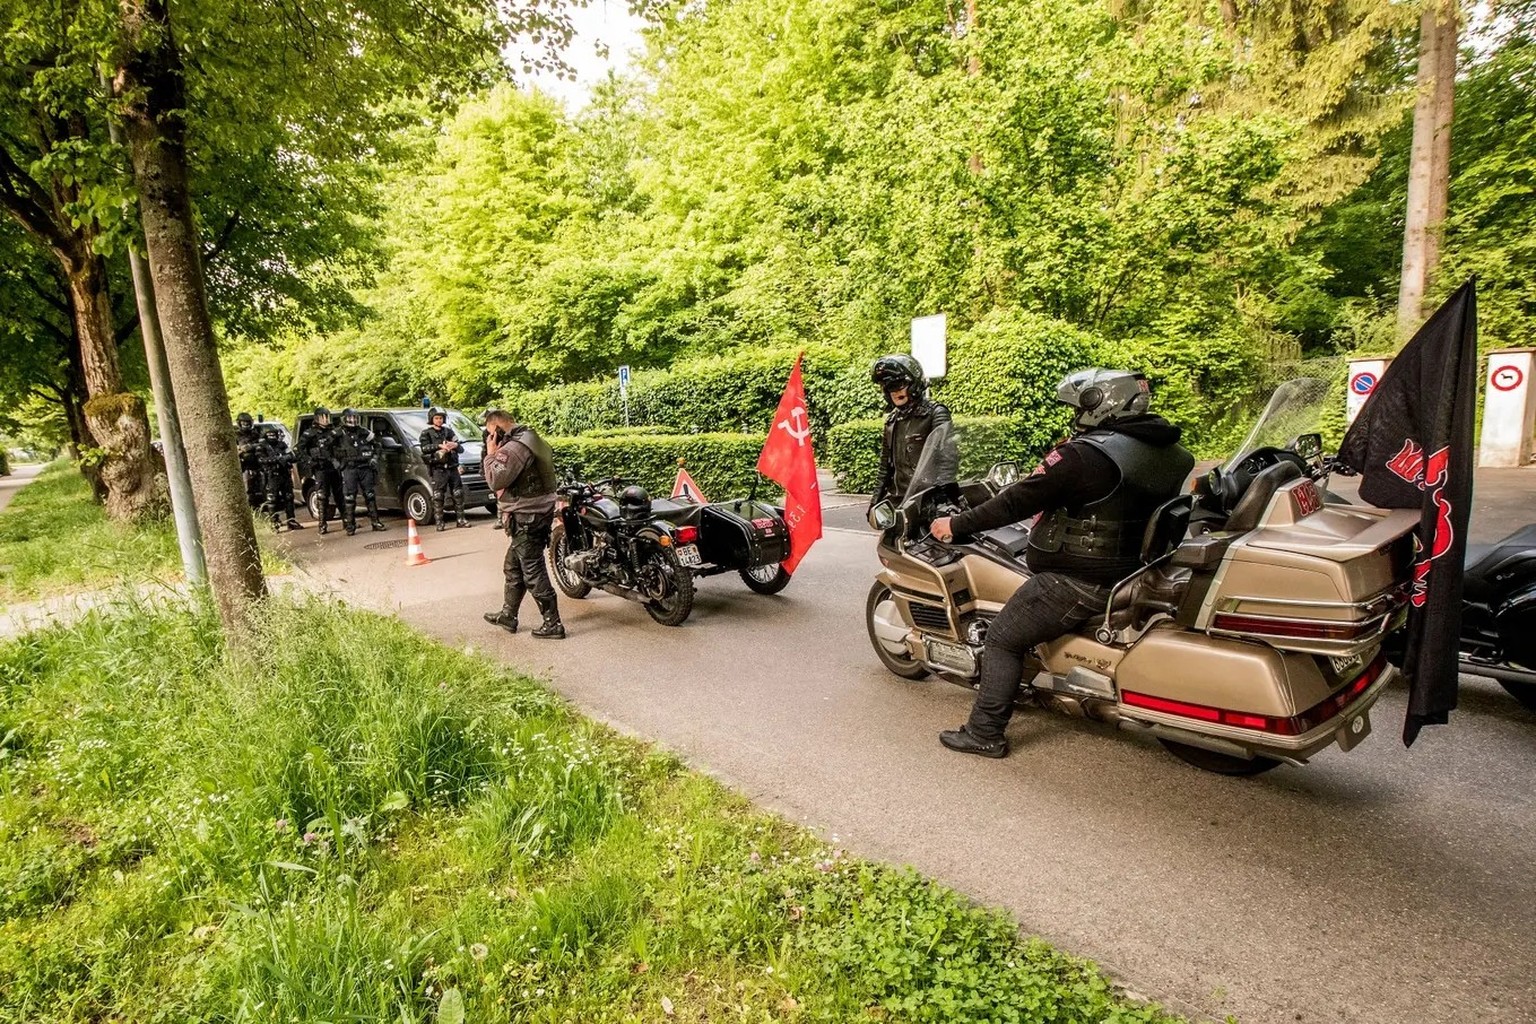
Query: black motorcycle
{"points": [[1498, 620], [615, 543]]}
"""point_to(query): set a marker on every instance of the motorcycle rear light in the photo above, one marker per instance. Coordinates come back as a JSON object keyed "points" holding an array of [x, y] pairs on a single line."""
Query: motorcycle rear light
{"points": [[1299, 629], [687, 534], [1292, 726]]}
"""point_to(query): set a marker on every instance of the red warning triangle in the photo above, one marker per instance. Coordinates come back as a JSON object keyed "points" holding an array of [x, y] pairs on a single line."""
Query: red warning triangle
{"points": [[687, 490]]}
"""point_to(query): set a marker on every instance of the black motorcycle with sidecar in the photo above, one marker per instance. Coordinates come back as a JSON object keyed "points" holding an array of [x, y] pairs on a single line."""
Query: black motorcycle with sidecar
{"points": [[612, 535]]}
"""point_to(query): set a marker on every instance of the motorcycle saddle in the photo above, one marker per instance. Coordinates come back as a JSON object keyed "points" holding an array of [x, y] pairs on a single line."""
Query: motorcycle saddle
{"points": [[1487, 562], [678, 513]]}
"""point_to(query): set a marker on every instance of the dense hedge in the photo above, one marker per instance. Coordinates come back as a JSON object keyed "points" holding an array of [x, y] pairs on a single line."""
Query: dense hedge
{"points": [[723, 465], [853, 449]]}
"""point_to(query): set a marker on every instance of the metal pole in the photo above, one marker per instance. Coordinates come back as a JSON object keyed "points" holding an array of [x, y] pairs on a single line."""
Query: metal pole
{"points": [[188, 537]]}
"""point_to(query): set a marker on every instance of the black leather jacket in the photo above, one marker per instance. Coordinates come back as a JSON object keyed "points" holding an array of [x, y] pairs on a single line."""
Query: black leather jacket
{"points": [[906, 431], [431, 441]]}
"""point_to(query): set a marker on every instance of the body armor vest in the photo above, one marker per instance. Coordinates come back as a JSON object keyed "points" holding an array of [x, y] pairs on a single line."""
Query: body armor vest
{"points": [[435, 456], [358, 446], [1111, 528], [537, 478]]}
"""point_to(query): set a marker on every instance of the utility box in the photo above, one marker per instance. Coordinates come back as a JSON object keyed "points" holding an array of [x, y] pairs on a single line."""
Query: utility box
{"points": [[1364, 375], [1509, 408]]}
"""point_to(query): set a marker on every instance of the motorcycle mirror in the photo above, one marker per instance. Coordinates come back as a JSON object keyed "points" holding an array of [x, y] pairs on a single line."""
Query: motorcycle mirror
{"points": [[882, 515], [1001, 475], [1309, 446]]}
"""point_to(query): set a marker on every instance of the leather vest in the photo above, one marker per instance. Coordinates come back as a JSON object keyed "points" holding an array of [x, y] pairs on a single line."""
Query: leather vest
{"points": [[1111, 528], [537, 478]]}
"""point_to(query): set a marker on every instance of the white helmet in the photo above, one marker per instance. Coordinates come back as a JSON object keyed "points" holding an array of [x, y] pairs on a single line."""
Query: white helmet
{"points": [[1101, 396]]}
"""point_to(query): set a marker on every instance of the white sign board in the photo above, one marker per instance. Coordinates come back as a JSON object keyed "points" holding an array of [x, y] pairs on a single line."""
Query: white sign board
{"points": [[1509, 408], [623, 379], [1364, 375], [929, 346]]}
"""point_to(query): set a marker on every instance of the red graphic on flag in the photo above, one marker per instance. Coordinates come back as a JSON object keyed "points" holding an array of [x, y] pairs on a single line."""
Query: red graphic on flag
{"points": [[1426, 474], [788, 460], [685, 488]]}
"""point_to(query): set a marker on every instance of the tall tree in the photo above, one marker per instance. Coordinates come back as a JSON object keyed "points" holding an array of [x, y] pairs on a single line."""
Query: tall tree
{"points": [[1429, 168]]}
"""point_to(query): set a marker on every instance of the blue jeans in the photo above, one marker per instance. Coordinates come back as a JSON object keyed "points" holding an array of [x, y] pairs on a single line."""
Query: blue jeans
{"points": [[1047, 606]]}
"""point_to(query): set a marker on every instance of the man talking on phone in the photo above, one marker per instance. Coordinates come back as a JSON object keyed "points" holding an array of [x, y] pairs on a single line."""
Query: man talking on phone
{"points": [[520, 469]]}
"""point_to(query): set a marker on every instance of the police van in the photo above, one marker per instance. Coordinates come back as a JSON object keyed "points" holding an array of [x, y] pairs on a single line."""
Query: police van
{"points": [[404, 480]]}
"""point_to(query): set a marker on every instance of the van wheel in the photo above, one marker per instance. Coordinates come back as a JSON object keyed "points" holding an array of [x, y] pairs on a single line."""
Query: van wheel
{"points": [[906, 667], [1525, 693], [765, 579], [1221, 764], [417, 503], [313, 500]]}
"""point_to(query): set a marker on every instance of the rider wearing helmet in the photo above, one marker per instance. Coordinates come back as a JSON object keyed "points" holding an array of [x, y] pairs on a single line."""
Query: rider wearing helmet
{"points": [[907, 426], [317, 454], [357, 452], [440, 449], [1093, 495], [246, 441]]}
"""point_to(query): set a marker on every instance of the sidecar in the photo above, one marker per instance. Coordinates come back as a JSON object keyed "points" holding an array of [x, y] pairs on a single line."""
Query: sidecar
{"points": [[742, 536]]}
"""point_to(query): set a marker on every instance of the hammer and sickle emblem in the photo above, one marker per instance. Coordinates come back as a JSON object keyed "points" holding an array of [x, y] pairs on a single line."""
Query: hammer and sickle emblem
{"points": [[796, 426]]}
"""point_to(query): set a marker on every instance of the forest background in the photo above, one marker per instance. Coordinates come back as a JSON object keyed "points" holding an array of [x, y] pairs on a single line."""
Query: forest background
{"points": [[1213, 192]]}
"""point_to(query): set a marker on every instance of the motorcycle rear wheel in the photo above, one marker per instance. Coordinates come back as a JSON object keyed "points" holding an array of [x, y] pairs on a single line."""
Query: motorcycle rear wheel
{"points": [[570, 584], [1220, 764], [906, 668], [673, 609], [765, 579]]}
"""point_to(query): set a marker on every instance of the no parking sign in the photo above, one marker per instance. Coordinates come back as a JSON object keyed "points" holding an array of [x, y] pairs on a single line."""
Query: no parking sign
{"points": [[1363, 383]]}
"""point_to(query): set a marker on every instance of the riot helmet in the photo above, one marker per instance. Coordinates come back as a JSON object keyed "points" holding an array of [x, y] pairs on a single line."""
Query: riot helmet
{"points": [[1102, 396], [634, 503], [322, 416], [432, 415], [270, 432], [350, 418], [897, 371], [244, 421]]}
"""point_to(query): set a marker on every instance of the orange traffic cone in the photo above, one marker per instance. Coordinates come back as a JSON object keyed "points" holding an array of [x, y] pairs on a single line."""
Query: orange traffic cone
{"points": [[413, 552]]}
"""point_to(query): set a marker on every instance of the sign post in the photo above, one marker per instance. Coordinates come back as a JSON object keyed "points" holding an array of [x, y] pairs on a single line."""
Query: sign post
{"points": [[929, 345], [624, 391], [1364, 375], [1509, 408]]}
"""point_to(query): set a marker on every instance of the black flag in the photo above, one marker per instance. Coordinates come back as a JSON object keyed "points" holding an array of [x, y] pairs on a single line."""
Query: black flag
{"points": [[1412, 442]]}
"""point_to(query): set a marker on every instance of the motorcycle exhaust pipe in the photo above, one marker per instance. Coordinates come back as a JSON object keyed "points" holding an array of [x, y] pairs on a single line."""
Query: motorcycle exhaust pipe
{"points": [[624, 592], [1503, 673]]}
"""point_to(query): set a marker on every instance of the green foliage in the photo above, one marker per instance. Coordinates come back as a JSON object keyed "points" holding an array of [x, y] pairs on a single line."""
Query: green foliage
{"points": [[853, 449], [723, 465], [361, 824]]}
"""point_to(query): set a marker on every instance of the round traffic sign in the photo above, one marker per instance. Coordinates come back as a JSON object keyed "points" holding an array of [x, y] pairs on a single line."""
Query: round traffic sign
{"points": [[1506, 378], [1363, 383]]}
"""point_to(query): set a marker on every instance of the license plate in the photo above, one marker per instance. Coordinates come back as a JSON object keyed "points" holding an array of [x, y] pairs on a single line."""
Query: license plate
{"points": [[1344, 665], [1355, 728], [688, 554]]}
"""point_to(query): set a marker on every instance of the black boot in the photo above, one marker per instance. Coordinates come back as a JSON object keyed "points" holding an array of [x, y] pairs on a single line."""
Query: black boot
{"points": [[437, 514], [294, 524], [351, 525], [325, 527], [462, 521], [373, 515], [504, 618], [551, 628], [963, 741]]}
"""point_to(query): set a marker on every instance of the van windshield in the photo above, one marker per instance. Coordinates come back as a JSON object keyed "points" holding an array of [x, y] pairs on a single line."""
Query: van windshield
{"points": [[415, 422]]}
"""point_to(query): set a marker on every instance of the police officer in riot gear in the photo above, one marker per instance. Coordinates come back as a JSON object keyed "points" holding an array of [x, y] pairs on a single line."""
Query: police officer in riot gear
{"points": [[440, 449], [247, 440], [357, 455], [317, 452], [912, 418], [520, 469], [276, 477], [1094, 494]]}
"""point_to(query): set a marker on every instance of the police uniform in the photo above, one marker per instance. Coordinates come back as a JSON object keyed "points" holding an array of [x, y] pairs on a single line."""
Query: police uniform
{"points": [[443, 468], [357, 455], [316, 452]]}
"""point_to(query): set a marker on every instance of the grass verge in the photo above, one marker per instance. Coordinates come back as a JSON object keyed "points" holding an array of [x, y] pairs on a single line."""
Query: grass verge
{"points": [[55, 539], [362, 824]]}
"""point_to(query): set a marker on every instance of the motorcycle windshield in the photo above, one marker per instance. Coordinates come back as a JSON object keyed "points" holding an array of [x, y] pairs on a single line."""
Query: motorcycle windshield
{"points": [[938, 463], [1296, 408]]}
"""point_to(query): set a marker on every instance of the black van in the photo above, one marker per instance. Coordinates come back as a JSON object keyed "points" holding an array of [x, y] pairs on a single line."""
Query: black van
{"points": [[404, 482]]}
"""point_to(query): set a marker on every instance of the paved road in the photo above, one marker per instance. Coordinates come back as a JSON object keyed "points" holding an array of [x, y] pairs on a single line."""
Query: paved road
{"points": [[19, 478], [1381, 886]]}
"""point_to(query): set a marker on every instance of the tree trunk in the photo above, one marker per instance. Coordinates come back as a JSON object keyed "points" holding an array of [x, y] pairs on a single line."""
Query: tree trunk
{"points": [[116, 418], [150, 73], [1429, 168]]}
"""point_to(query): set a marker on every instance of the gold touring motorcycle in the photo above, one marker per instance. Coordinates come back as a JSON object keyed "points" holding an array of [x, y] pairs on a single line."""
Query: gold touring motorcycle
{"points": [[1251, 635]]}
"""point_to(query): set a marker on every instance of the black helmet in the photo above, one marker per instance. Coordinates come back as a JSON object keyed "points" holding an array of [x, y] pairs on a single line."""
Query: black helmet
{"points": [[244, 420], [433, 413], [322, 416], [634, 503], [897, 371], [350, 418], [1102, 396], [269, 432]]}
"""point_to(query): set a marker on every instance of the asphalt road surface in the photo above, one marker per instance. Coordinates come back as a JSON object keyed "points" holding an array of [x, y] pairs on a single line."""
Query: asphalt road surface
{"points": [[1384, 885], [19, 478]]}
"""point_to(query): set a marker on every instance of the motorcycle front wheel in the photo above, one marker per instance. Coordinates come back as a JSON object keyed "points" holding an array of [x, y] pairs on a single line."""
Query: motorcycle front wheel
{"points": [[570, 584], [676, 584], [907, 668]]}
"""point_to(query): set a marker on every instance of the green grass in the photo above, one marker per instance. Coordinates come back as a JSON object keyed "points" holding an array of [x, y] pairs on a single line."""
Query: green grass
{"points": [[55, 539], [369, 826]]}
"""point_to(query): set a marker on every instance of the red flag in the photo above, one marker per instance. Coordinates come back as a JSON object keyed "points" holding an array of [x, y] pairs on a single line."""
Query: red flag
{"points": [[685, 487], [787, 459]]}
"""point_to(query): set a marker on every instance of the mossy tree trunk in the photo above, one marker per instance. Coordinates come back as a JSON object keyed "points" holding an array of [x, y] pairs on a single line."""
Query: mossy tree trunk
{"points": [[150, 78]]}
